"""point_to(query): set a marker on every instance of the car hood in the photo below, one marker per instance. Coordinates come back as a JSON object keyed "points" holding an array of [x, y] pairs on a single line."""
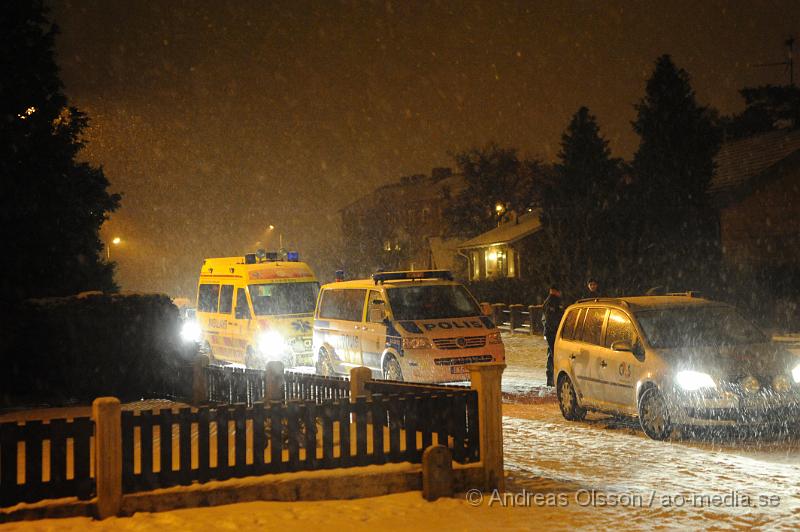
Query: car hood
{"points": [[729, 361]]}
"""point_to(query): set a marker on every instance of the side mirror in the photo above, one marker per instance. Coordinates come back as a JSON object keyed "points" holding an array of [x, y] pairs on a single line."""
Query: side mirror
{"points": [[622, 345]]}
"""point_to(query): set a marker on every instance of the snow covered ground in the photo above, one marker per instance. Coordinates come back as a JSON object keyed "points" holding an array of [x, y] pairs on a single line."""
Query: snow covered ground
{"points": [[598, 473]]}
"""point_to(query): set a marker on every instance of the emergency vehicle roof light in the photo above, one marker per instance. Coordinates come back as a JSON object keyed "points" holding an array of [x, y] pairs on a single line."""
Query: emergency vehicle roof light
{"points": [[412, 275], [272, 256], [292, 256], [250, 258]]}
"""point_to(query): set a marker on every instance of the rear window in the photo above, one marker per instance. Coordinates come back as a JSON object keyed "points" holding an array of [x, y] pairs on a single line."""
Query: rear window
{"points": [[568, 331], [593, 326], [207, 297], [345, 305]]}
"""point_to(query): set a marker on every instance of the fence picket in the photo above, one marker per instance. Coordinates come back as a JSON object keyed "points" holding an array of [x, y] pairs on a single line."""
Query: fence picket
{"points": [[240, 440], [326, 422], [344, 432], [275, 437], [58, 450], [8, 462], [185, 445], [294, 412], [311, 435], [127, 421], [361, 430], [223, 463], [378, 411], [259, 441], [165, 446], [83, 428], [203, 444], [33, 457], [146, 420]]}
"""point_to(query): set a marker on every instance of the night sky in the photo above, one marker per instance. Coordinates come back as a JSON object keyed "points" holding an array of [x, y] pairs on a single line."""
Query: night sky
{"points": [[216, 119]]}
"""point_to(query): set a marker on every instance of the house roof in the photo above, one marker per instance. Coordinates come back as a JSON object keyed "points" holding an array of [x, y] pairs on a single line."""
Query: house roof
{"points": [[527, 224], [741, 160]]}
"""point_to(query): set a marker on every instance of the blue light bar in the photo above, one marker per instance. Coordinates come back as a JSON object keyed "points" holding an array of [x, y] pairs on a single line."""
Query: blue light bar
{"points": [[412, 275], [272, 256], [292, 256]]}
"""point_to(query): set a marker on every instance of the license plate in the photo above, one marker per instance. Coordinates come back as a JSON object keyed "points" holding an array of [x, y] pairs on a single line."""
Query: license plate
{"points": [[458, 370]]}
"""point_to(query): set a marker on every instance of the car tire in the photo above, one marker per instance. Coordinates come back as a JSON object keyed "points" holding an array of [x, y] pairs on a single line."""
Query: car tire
{"points": [[568, 399], [325, 365], [654, 415], [392, 370]]}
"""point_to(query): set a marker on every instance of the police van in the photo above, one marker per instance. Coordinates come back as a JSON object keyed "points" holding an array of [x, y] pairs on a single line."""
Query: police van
{"points": [[257, 308], [415, 326]]}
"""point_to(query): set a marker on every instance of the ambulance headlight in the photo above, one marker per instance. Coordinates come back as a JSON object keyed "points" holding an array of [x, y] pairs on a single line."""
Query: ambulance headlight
{"points": [[494, 338], [694, 380], [270, 343], [190, 331], [796, 374]]}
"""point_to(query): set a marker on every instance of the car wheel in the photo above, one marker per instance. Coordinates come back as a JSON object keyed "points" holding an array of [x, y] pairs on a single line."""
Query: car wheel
{"points": [[324, 364], [654, 414], [568, 400], [391, 370]]}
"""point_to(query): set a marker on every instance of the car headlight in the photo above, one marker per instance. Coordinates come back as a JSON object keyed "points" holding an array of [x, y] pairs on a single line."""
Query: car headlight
{"points": [[494, 338], [270, 343], [694, 380], [416, 343], [191, 332], [796, 374], [750, 384]]}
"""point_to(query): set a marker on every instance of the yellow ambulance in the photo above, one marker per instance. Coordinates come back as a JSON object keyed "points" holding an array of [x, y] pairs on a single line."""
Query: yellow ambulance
{"points": [[257, 308]]}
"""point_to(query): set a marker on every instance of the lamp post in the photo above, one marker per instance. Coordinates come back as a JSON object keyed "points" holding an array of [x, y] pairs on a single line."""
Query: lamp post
{"points": [[116, 241]]}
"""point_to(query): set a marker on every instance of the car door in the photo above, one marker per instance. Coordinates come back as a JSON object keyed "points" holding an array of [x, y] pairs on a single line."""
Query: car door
{"points": [[591, 338], [373, 337], [623, 366], [570, 349]]}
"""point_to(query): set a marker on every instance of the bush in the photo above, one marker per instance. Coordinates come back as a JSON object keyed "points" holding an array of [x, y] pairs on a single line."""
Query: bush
{"points": [[61, 350]]}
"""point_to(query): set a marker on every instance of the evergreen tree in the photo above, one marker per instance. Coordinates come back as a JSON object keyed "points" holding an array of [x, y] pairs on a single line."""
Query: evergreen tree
{"points": [[767, 108], [494, 176], [51, 205], [672, 229], [578, 204]]}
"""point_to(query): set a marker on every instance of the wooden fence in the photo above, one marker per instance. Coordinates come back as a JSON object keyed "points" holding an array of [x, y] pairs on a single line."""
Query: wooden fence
{"points": [[235, 441], [42, 460], [516, 318], [232, 385]]}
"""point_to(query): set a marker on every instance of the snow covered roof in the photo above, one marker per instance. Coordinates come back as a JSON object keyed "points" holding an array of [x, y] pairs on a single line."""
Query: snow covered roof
{"points": [[525, 225], [741, 160]]}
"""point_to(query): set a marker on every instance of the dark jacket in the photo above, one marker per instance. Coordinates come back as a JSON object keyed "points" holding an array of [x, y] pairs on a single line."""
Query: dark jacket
{"points": [[586, 294], [552, 310]]}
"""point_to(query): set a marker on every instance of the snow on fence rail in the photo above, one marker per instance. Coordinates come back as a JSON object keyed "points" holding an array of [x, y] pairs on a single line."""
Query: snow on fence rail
{"points": [[236, 441], [54, 461], [516, 318]]}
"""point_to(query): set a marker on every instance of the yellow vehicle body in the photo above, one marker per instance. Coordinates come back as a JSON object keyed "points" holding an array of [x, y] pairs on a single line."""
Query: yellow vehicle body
{"points": [[252, 310]]}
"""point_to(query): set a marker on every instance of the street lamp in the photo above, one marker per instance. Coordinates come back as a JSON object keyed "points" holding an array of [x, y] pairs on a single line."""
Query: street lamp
{"points": [[116, 241]]}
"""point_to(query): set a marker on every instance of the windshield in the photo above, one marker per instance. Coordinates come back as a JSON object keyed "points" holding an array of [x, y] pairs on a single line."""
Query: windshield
{"points": [[284, 298], [697, 326], [428, 302]]}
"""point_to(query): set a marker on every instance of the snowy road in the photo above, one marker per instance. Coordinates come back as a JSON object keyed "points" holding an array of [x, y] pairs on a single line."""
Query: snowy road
{"points": [[625, 477]]}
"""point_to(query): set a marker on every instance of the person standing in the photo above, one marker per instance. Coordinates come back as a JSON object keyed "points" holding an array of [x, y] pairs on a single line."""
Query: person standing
{"points": [[552, 311], [592, 290]]}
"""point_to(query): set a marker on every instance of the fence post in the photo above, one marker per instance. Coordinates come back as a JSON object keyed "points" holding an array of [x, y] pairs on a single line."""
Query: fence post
{"points": [[273, 381], [108, 455], [497, 313], [535, 314], [199, 380], [437, 472], [358, 377], [486, 379], [514, 317]]}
